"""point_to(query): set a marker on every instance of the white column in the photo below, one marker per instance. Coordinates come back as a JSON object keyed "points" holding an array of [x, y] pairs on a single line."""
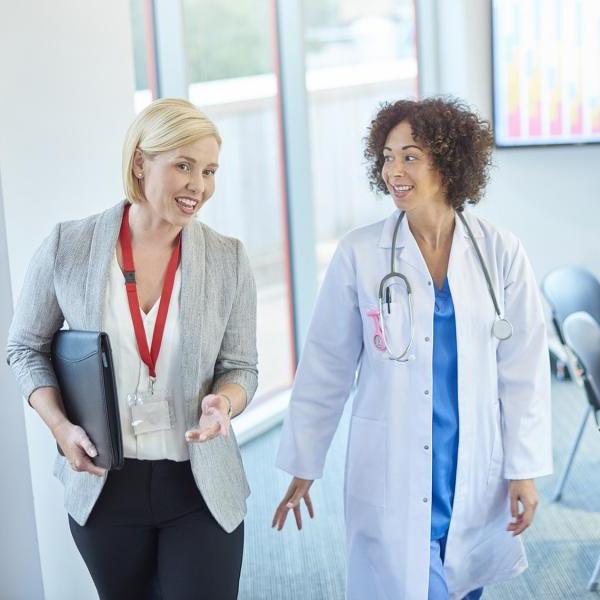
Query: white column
{"points": [[67, 98], [20, 568]]}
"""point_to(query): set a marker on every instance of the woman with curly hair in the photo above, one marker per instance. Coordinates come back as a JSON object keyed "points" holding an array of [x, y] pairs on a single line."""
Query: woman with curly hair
{"points": [[434, 314]]}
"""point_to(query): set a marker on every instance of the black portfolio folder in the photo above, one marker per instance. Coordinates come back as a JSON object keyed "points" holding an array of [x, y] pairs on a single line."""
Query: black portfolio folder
{"points": [[82, 361]]}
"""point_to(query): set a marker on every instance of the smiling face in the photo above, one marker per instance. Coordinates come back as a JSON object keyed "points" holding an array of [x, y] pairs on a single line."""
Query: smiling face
{"points": [[410, 177], [176, 183]]}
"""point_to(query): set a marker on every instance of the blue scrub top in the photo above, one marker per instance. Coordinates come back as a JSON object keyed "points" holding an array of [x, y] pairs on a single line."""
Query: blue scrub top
{"points": [[445, 412]]}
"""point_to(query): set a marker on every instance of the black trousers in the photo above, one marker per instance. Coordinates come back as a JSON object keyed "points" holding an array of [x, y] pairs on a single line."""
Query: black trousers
{"points": [[150, 535]]}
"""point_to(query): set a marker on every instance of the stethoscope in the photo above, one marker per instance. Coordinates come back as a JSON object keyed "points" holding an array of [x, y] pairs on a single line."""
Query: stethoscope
{"points": [[501, 329]]}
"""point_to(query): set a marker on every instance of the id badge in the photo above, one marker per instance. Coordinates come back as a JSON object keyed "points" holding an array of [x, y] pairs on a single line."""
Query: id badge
{"points": [[151, 412]]}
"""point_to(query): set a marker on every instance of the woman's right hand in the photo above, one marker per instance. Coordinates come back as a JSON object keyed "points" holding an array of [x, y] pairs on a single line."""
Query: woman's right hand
{"points": [[77, 448], [297, 490]]}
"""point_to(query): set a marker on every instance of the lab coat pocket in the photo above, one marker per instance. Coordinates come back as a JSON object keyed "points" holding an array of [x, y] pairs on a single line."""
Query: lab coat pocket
{"points": [[397, 334], [367, 460], [497, 456]]}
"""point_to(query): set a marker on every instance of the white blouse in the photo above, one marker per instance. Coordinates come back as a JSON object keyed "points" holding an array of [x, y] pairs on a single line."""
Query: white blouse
{"points": [[132, 376]]}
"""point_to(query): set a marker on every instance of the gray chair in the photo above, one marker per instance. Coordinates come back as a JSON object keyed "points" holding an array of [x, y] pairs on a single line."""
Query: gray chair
{"points": [[582, 334], [569, 290]]}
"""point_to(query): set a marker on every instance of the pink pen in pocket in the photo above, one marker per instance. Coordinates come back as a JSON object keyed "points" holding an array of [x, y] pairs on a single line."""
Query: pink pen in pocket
{"points": [[378, 336]]}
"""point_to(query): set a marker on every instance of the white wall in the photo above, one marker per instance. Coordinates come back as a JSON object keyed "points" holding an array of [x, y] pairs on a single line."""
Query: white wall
{"points": [[547, 196], [20, 569], [66, 75]]}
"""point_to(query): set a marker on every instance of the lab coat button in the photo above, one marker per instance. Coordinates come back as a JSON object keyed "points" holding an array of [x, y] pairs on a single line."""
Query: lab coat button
{"points": [[427, 392], [426, 447], [427, 339], [425, 500]]}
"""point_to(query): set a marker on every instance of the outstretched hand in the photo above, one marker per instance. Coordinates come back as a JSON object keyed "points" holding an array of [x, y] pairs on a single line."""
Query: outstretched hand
{"points": [[214, 420]]}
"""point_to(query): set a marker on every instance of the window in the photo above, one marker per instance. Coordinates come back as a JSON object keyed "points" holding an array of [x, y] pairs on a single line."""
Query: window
{"points": [[227, 48], [357, 55], [143, 53]]}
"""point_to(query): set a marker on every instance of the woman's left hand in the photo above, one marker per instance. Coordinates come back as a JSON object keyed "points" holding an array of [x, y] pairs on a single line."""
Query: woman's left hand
{"points": [[523, 491], [214, 420]]}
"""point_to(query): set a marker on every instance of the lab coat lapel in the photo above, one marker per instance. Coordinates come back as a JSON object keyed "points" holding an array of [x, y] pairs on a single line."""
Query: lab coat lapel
{"points": [[458, 281], [461, 235], [463, 274], [191, 311], [103, 245], [407, 250]]}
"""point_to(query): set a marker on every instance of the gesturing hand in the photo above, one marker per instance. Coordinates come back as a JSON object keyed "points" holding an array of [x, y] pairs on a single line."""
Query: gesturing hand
{"points": [[523, 491], [214, 420], [297, 490], [77, 448]]}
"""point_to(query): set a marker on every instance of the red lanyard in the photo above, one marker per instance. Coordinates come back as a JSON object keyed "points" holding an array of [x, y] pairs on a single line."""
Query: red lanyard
{"points": [[149, 356]]}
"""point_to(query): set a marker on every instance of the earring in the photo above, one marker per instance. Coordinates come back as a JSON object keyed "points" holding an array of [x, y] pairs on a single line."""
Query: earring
{"points": [[139, 175]]}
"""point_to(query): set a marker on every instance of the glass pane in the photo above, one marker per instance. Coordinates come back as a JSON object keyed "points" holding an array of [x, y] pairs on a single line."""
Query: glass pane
{"points": [[224, 40], [351, 32], [232, 80], [358, 54]]}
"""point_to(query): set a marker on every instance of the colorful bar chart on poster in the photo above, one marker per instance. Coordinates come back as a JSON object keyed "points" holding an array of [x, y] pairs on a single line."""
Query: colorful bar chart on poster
{"points": [[546, 71]]}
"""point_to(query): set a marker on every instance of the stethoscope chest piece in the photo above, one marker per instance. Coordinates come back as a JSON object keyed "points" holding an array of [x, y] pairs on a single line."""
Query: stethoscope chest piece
{"points": [[502, 329]]}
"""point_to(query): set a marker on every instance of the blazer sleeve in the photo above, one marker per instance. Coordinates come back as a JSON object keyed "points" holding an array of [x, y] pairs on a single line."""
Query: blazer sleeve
{"points": [[524, 376], [326, 372], [36, 319], [237, 358]]}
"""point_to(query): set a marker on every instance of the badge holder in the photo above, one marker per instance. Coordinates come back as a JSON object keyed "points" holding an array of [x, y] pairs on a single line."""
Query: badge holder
{"points": [[151, 411]]}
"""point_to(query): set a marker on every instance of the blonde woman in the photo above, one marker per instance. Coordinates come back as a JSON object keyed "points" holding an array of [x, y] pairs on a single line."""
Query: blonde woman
{"points": [[174, 514]]}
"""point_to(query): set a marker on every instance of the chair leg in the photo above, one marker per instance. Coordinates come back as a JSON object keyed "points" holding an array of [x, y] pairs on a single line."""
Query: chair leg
{"points": [[565, 474], [593, 582]]}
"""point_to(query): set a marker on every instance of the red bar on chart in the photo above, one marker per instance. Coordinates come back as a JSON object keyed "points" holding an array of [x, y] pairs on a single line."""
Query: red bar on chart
{"points": [[556, 119], [514, 124], [596, 117], [577, 119], [535, 120]]}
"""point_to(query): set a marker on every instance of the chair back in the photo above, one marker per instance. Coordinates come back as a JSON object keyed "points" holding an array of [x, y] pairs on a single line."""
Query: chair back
{"points": [[582, 333], [569, 290]]}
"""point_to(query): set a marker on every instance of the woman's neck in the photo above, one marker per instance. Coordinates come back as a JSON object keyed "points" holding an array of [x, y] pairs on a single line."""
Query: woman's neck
{"points": [[149, 228], [432, 225]]}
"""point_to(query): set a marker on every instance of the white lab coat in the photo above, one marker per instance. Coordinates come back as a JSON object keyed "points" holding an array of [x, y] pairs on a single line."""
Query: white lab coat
{"points": [[503, 399]]}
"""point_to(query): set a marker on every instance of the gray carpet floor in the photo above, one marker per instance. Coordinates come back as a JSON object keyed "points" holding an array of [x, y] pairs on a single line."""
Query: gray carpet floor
{"points": [[563, 545]]}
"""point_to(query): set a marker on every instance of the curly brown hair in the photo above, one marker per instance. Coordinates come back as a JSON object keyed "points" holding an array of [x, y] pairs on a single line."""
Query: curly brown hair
{"points": [[458, 141]]}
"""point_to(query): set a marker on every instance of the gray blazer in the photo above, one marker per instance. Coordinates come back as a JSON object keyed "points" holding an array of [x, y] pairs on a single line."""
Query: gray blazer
{"points": [[66, 281]]}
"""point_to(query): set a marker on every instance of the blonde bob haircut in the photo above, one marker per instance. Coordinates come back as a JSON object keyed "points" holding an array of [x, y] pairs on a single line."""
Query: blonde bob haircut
{"points": [[164, 125]]}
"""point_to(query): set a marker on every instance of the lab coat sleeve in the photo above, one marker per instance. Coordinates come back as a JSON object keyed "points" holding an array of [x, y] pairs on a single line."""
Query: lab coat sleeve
{"points": [[524, 376], [325, 373]]}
